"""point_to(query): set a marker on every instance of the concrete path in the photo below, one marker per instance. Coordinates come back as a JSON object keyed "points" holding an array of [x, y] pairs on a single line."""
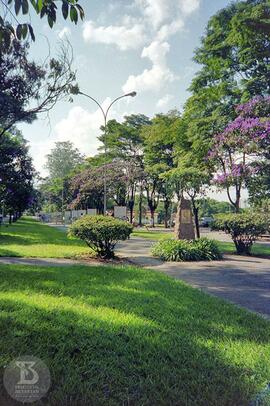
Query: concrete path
{"points": [[45, 261], [244, 281]]}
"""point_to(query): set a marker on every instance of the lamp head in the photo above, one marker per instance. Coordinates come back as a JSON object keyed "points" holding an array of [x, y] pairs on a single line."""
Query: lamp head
{"points": [[131, 94]]}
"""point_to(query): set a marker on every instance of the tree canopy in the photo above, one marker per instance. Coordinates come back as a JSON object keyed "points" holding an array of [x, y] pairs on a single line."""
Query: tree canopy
{"points": [[12, 9]]}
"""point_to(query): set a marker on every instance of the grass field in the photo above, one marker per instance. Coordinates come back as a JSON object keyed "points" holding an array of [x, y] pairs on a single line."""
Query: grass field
{"points": [[29, 238], [128, 336]]}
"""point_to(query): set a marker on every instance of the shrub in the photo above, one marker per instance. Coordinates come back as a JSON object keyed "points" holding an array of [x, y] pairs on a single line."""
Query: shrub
{"points": [[101, 233], [184, 250], [244, 228]]}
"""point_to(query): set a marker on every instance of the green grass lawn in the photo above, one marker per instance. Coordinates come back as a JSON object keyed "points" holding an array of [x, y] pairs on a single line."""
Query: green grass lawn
{"points": [[225, 247], [152, 235], [127, 336], [30, 238]]}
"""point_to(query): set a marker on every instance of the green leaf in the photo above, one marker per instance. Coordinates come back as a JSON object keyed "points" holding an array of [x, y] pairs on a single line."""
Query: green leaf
{"points": [[50, 21], [39, 5], [19, 31], [65, 9], [81, 11], [25, 7], [18, 4], [34, 4], [31, 31], [73, 14], [42, 12], [24, 30]]}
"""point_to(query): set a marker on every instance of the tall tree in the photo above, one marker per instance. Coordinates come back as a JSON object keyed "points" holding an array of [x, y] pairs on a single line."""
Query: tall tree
{"points": [[63, 159], [16, 174], [237, 151], [125, 145], [235, 66], [159, 157]]}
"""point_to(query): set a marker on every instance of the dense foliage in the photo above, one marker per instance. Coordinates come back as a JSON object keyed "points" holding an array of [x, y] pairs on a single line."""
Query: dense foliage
{"points": [[101, 233], [244, 228], [70, 9], [234, 59], [16, 175], [184, 250], [238, 150]]}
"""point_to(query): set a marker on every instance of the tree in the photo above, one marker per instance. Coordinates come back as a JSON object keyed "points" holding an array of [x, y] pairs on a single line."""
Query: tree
{"points": [[13, 8], [236, 151], [61, 163], [125, 144], [63, 159], [159, 157], [208, 207], [27, 89], [235, 64], [16, 175], [87, 187]]}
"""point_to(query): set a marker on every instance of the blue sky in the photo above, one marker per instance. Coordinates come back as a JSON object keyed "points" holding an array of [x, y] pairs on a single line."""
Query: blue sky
{"points": [[123, 45]]}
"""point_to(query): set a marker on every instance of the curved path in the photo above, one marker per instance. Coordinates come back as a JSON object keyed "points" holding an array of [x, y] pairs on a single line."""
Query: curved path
{"points": [[242, 280], [245, 281]]}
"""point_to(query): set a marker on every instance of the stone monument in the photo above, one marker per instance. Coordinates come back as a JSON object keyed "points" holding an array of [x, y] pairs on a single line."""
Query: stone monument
{"points": [[184, 227]]}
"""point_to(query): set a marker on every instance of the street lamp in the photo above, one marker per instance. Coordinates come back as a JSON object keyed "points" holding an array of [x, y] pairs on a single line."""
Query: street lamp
{"points": [[105, 116]]}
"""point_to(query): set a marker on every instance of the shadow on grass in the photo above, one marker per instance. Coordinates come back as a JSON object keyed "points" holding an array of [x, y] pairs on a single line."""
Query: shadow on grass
{"points": [[132, 337]]}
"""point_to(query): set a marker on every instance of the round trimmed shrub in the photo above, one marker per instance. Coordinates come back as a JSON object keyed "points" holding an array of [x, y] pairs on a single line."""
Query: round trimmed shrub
{"points": [[101, 233], [185, 250], [244, 228]]}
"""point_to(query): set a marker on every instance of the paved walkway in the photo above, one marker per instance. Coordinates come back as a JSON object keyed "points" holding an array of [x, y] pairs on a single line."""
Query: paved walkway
{"points": [[242, 280]]}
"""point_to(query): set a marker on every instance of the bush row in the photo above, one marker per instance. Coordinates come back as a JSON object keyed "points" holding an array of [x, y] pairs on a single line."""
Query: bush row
{"points": [[184, 250]]}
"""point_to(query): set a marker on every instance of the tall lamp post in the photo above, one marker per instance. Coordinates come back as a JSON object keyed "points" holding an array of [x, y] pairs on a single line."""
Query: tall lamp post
{"points": [[105, 116]]}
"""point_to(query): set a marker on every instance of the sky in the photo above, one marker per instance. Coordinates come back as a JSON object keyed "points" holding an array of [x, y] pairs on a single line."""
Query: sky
{"points": [[145, 46]]}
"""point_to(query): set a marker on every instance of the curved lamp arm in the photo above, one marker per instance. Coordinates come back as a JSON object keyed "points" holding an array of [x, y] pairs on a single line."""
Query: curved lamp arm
{"points": [[132, 94], [95, 101]]}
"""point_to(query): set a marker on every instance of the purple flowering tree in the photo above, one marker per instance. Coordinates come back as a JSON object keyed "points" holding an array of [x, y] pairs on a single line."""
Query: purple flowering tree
{"points": [[237, 150]]}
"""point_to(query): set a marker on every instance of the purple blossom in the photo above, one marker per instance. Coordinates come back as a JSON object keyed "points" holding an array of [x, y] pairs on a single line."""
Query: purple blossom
{"points": [[255, 106]]}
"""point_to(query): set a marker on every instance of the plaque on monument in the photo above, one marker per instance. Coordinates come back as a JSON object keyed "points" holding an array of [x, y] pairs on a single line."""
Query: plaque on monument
{"points": [[186, 216]]}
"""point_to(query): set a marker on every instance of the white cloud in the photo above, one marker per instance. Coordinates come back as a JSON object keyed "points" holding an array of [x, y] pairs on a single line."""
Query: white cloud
{"points": [[124, 37], [189, 6], [163, 102], [65, 32], [156, 77], [168, 30], [81, 127], [156, 11], [156, 52]]}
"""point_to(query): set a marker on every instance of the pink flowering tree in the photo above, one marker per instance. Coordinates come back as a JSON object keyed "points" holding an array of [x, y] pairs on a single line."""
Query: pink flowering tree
{"points": [[237, 151]]}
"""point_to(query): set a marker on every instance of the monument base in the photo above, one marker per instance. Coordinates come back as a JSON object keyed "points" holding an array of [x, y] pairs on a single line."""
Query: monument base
{"points": [[184, 227]]}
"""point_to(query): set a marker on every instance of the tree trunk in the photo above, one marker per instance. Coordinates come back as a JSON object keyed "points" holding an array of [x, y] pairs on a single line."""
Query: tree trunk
{"points": [[196, 218], [166, 210], [237, 202], [131, 209], [152, 217], [140, 208]]}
